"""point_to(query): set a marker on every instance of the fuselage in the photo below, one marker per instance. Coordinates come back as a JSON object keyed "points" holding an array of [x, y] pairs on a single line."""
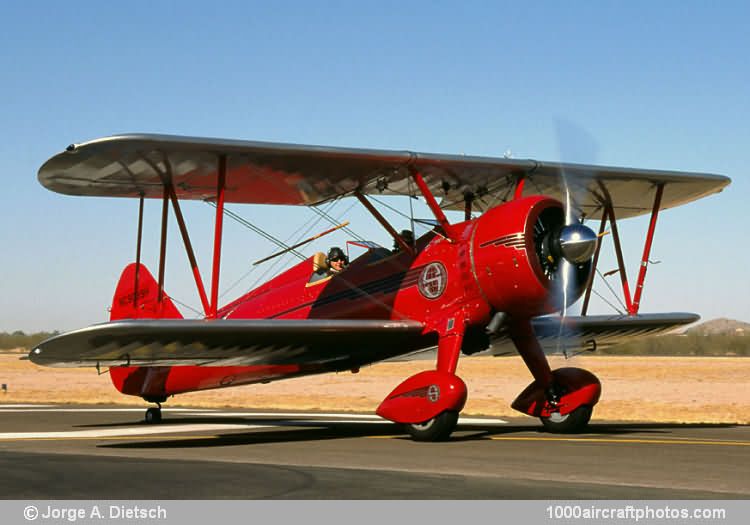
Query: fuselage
{"points": [[490, 264]]}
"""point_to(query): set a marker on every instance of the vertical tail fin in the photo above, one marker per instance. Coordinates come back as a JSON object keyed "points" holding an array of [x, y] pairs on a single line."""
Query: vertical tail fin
{"points": [[143, 303]]}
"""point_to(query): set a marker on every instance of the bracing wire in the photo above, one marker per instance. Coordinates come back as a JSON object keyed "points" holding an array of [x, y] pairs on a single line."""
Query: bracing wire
{"points": [[196, 311], [277, 242], [284, 258], [600, 296], [335, 222], [614, 294], [402, 214], [257, 230]]}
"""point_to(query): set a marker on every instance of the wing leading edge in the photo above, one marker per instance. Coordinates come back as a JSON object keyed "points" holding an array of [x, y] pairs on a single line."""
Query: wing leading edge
{"points": [[332, 344], [275, 173]]}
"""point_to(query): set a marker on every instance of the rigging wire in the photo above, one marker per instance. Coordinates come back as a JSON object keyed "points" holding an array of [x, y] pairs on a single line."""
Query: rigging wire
{"points": [[235, 283], [257, 230], [402, 214], [284, 257], [342, 279], [195, 310], [614, 294], [247, 224], [335, 222], [309, 225], [600, 296], [325, 214]]}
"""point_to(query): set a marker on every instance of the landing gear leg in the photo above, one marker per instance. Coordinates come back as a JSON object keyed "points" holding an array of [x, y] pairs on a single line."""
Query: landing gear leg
{"points": [[550, 388], [153, 415], [574, 389], [427, 404], [440, 427], [523, 336]]}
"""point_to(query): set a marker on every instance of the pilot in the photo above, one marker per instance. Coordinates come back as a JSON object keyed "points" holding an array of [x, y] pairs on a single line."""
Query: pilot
{"points": [[407, 236], [336, 260]]}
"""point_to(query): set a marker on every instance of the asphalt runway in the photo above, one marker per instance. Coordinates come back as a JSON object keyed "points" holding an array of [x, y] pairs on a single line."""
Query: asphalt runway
{"points": [[94, 452]]}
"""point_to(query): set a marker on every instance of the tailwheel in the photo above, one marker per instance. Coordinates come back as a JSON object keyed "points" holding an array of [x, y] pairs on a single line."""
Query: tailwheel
{"points": [[438, 428], [570, 423], [153, 415]]}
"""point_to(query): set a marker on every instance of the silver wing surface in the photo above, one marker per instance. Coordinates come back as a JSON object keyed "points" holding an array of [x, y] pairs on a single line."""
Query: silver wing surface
{"points": [[274, 173], [588, 333], [332, 344]]}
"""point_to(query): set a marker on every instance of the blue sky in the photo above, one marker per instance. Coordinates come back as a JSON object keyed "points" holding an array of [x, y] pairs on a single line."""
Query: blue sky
{"points": [[657, 85]]}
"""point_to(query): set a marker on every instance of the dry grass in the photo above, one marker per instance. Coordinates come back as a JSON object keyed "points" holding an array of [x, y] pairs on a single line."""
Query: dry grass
{"points": [[664, 389]]}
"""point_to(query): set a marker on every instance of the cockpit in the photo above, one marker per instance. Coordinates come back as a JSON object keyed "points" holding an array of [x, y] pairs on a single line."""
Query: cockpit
{"points": [[358, 252]]}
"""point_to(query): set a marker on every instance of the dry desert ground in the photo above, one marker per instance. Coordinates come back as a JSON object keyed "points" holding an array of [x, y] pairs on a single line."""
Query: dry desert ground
{"points": [[664, 389]]}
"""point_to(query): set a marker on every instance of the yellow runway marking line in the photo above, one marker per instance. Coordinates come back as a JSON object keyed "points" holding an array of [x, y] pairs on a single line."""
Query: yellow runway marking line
{"points": [[677, 441]]}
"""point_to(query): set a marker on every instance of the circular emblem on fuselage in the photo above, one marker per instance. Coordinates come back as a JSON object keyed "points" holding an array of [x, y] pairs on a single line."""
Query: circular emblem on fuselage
{"points": [[433, 393], [432, 280]]}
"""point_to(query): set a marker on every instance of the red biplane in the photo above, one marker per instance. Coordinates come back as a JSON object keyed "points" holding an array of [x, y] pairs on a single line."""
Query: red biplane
{"points": [[463, 287]]}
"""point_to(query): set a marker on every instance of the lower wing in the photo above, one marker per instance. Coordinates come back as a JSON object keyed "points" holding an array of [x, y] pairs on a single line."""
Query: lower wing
{"points": [[335, 344], [586, 333]]}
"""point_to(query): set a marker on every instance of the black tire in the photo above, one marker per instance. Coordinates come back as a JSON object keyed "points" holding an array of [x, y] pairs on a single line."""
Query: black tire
{"points": [[153, 416], [571, 423], [438, 428]]}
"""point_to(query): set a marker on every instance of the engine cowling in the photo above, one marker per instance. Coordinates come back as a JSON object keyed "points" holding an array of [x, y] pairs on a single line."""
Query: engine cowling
{"points": [[516, 255]]}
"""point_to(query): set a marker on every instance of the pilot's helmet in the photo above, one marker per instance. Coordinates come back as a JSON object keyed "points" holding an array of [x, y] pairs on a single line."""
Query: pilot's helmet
{"points": [[335, 254], [408, 236]]}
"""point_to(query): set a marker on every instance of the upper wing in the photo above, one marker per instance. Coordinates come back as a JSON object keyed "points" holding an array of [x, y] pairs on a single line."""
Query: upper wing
{"points": [[333, 344], [273, 173], [590, 332]]}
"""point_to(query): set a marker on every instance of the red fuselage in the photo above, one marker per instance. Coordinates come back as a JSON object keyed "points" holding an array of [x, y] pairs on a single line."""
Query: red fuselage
{"points": [[491, 265]]}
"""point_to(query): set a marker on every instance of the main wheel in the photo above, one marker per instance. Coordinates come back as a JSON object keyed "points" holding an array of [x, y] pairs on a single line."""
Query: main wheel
{"points": [[153, 415], [570, 423], [438, 428]]}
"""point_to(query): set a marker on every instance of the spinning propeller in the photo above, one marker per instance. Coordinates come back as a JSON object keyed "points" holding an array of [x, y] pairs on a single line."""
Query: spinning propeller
{"points": [[565, 248], [569, 247]]}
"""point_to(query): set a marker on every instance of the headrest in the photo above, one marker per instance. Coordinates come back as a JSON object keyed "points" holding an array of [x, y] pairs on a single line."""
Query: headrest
{"points": [[319, 262]]}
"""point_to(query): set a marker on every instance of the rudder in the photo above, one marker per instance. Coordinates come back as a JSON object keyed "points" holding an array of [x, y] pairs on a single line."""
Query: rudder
{"points": [[127, 304]]}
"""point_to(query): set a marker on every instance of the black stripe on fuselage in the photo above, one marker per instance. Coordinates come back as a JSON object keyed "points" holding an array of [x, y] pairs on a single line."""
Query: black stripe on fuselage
{"points": [[385, 285]]}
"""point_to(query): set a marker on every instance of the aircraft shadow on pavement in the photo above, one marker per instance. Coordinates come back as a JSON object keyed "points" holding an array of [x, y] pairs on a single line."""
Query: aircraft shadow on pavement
{"points": [[593, 430], [297, 430]]}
